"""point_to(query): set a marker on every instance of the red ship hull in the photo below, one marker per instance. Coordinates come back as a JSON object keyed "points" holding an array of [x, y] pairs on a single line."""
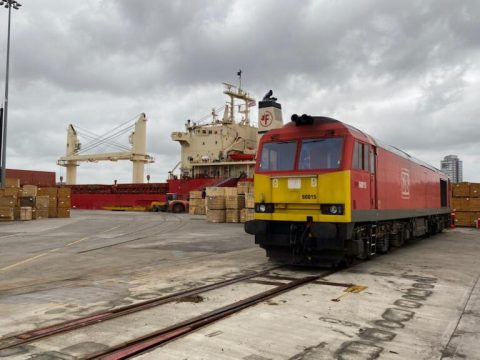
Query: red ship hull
{"points": [[137, 195]]}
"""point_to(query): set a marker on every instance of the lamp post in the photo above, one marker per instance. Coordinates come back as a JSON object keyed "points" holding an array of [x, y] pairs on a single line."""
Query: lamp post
{"points": [[8, 4]]}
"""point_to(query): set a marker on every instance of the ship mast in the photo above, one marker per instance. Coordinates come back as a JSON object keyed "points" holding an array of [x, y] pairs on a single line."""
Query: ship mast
{"points": [[235, 92]]}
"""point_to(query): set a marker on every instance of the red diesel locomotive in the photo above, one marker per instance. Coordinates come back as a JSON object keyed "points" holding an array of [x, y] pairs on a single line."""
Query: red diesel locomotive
{"points": [[327, 193]]}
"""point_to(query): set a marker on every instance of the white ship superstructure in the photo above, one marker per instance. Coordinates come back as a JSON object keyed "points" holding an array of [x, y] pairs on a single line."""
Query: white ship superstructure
{"points": [[223, 148]]}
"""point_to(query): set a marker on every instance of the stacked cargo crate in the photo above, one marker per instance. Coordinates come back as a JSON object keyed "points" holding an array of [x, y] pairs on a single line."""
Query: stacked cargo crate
{"points": [[215, 200], [51, 192], [32, 207], [31, 202], [196, 204], [234, 202], [64, 202], [466, 203], [8, 199], [246, 188]]}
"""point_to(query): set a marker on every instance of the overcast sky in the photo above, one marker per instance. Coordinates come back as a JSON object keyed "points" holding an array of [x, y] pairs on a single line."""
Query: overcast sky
{"points": [[406, 72]]}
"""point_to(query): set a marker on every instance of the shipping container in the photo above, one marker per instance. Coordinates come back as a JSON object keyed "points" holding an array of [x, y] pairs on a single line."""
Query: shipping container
{"points": [[32, 177]]}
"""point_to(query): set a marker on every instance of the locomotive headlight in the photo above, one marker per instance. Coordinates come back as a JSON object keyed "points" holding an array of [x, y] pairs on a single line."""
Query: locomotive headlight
{"points": [[332, 209], [264, 208]]}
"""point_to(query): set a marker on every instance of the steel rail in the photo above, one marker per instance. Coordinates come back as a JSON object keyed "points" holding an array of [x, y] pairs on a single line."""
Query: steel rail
{"points": [[154, 339], [70, 325]]}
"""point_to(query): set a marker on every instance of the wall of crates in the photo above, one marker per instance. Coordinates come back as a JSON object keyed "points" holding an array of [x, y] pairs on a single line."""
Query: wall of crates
{"points": [[466, 203], [224, 204], [31, 202]]}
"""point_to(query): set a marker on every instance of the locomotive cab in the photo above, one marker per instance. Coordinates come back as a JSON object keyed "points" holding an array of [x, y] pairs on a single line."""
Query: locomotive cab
{"points": [[302, 192]]}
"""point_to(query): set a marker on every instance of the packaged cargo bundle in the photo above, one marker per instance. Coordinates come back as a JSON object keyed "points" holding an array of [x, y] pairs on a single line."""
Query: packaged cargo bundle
{"points": [[65, 203], [196, 206], [8, 201], [12, 191], [235, 202], [22, 213], [197, 210], [244, 187], [460, 204], [64, 192], [215, 191], [42, 202], [232, 215], [474, 190], [216, 202], [26, 213], [231, 191], [64, 199], [38, 214], [243, 215], [63, 212], [51, 192], [27, 201], [52, 212], [12, 183], [249, 200], [195, 195], [473, 204], [200, 210], [29, 190], [197, 202], [464, 218], [6, 213], [216, 216], [249, 214], [461, 190]]}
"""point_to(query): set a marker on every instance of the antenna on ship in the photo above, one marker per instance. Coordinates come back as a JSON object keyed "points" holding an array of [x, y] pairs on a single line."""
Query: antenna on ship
{"points": [[239, 74]]}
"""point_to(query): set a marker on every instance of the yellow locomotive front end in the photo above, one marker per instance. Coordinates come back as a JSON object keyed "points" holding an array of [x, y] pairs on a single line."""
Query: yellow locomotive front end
{"points": [[303, 195], [315, 198]]}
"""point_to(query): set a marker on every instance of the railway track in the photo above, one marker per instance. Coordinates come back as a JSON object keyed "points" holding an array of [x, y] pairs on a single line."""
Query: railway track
{"points": [[279, 284]]}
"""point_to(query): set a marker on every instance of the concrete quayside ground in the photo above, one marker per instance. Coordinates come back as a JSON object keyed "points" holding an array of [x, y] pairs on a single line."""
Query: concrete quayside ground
{"points": [[421, 301]]}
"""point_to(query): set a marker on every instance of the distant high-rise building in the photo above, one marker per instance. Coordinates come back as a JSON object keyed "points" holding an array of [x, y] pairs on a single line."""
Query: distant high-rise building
{"points": [[452, 166]]}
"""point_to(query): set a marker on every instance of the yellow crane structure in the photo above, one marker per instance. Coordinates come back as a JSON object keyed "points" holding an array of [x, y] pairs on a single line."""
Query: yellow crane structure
{"points": [[136, 154]]}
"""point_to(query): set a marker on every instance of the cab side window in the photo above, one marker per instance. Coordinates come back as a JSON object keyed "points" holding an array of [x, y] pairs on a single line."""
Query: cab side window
{"points": [[361, 156]]}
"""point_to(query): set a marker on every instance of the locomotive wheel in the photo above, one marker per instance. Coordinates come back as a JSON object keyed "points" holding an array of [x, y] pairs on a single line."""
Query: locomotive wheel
{"points": [[398, 239], [346, 262], [384, 245], [178, 208]]}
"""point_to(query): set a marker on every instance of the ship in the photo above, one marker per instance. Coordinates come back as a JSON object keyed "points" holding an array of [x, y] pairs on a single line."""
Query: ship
{"points": [[218, 152]]}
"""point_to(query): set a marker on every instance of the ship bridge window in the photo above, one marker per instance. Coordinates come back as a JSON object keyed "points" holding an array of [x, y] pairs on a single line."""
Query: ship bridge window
{"points": [[279, 156], [321, 154]]}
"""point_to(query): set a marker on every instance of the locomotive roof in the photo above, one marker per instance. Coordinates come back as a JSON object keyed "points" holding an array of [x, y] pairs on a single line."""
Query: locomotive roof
{"points": [[323, 123]]}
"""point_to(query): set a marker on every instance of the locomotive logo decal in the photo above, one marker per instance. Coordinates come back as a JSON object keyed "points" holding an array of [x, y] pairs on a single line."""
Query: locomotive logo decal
{"points": [[266, 119], [405, 178], [275, 183]]}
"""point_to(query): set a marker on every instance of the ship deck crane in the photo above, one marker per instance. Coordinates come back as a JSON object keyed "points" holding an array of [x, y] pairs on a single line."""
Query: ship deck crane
{"points": [[137, 154]]}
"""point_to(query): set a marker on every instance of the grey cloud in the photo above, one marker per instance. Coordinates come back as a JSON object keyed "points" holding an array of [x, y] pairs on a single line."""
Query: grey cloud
{"points": [[407, 72]]}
